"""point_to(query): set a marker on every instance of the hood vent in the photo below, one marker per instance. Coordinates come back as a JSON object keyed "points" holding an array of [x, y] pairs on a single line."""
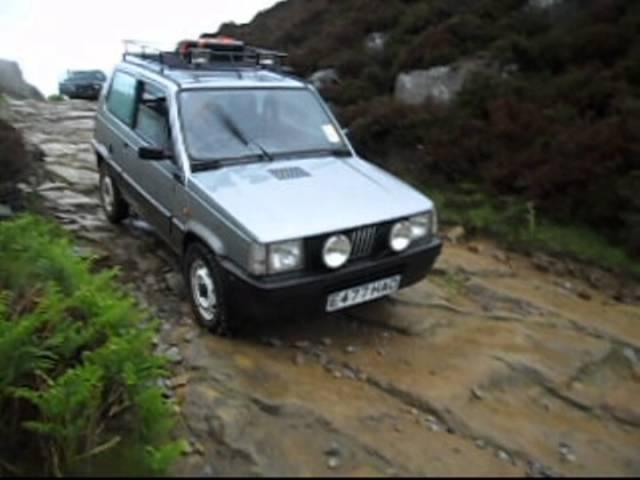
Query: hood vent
{"points": [[289, 173]]}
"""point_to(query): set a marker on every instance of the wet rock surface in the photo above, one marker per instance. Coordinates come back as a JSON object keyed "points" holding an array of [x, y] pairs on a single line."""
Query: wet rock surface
{"points": [[493, 366]]}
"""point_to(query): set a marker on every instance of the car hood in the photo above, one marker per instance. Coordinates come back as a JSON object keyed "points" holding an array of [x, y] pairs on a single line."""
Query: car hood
{"points": [[294, 199]]}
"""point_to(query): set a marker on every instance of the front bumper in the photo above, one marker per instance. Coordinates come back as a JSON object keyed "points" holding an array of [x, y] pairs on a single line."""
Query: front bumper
{"points": [[307, 293]]}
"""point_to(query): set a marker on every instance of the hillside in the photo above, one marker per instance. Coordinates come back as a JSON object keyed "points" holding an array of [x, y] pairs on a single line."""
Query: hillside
{"points": [[547, 126], [13, 84]]}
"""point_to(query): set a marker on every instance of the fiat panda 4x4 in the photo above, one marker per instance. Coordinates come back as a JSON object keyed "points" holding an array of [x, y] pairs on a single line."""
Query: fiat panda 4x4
{"points": [[245, 173]]}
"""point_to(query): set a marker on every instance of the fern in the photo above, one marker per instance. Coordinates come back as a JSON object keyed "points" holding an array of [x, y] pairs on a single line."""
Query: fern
{"points": [[74, 349]]}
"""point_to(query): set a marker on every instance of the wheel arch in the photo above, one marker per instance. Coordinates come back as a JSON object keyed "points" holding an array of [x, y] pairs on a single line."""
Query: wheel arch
{"points": [[196, 233]]}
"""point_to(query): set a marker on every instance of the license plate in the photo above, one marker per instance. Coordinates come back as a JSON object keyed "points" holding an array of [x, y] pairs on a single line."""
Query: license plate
{"points": [[363, 293]]}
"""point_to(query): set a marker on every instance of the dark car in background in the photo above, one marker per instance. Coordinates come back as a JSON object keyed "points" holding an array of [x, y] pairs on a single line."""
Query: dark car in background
{"points": [[84, 84]]}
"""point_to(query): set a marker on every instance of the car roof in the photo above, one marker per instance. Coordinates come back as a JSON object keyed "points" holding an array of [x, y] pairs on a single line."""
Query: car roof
{"points": [[240, 77]]}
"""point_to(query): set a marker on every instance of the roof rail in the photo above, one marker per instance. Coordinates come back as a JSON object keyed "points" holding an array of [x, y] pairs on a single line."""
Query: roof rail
{"points": [[143, 53], [207, 53]]}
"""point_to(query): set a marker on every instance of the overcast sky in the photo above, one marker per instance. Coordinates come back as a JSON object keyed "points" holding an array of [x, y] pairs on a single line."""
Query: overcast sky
{"points": [[48, 37]]}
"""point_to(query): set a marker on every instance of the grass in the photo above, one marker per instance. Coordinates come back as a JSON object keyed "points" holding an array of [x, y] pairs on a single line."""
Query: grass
{"points": [[55, 98], [516, 224]]}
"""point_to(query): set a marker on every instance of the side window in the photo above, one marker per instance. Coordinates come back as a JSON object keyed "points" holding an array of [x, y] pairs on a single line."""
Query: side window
{"points": [[121, 100], [152, 118]]}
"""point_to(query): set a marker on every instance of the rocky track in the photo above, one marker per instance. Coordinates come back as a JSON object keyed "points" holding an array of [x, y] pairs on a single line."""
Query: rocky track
{"points": [[496, 365]]}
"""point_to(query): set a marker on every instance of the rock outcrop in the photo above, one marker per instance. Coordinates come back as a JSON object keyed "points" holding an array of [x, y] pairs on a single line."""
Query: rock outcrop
{"points": [[544, 3], [375, 42], [440, 84], [324, 78], [13, 84]]}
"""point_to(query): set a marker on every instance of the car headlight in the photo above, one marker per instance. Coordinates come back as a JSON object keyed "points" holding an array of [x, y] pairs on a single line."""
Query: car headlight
{"points": [[275, 258], [424, 225], [336, 251], [401, 236]]}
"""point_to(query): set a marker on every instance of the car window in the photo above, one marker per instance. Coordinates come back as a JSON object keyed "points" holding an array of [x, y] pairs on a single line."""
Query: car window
{"points": [[281, 121], [122, 95], [151, 118]]}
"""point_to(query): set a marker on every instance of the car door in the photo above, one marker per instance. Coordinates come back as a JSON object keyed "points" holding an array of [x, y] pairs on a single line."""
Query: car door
{"points": [[113, 131], [155, 180]]}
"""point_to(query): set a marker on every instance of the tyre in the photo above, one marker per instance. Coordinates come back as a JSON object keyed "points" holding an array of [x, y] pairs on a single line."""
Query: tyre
{"points": [[206, 287], [114, 205]]}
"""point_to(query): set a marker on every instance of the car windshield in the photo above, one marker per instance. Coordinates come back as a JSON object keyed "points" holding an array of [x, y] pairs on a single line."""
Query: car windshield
{"points": [[91, 76], [235, 124]]}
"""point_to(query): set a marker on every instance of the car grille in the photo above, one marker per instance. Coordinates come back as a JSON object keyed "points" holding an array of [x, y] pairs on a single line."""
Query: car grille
{"points": [[363, 240], [366, 243]]}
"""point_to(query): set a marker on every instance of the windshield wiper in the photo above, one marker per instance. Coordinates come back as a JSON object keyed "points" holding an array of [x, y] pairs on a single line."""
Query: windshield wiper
{"points": [[233, 128], [205, 165]]}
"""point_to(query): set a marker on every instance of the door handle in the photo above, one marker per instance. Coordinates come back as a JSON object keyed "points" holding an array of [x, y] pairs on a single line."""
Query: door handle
{"points": [[110, 148], [125, 145]]}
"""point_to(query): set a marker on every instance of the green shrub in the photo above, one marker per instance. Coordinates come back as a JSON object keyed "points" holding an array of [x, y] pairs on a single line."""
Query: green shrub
{"points": [[77, 373], [55, 98]]}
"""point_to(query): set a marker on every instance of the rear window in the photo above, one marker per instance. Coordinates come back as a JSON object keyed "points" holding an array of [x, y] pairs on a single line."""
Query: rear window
{"points": [[122, 96]]}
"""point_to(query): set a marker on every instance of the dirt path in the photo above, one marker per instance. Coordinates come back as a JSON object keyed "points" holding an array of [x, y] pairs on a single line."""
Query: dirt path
{"points": [[494, 366]]}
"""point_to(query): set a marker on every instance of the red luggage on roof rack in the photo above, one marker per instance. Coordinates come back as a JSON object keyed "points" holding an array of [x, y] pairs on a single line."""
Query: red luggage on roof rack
{"points": [[210, 42]]}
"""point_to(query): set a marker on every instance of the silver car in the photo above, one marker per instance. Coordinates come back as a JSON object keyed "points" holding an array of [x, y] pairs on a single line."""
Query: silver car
{"points": [[245, 173]]}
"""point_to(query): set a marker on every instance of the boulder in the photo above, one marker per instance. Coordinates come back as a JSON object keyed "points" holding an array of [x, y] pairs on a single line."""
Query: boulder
{"points": [[6, 212], [14, 85], [324, 78], [543, 3], [440, 84], [375, 42]]}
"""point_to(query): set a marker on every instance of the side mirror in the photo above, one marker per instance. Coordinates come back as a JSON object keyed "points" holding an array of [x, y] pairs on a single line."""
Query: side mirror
{"points": [[346, 132], [154, 153]]}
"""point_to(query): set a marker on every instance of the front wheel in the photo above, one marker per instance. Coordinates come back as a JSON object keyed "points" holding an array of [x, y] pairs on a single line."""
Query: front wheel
{"points": [[206, 289]]}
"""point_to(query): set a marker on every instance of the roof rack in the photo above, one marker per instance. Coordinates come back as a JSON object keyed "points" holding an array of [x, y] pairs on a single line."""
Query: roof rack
{"points": [[209, 53]]}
